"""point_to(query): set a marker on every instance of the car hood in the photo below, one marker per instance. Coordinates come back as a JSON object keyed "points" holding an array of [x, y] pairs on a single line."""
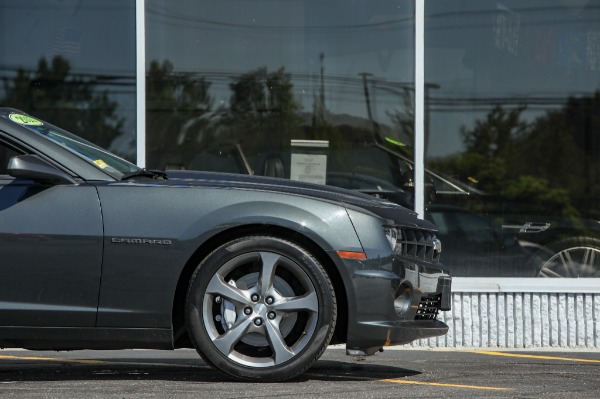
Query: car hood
{"points": [[349, 198]]}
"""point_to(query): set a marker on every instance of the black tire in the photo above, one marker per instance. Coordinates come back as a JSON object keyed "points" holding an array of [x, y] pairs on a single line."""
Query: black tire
{"points": [[572, 257], [261, 308]]}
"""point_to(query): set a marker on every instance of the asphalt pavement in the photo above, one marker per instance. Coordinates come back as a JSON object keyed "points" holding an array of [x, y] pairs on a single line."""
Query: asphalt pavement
{"points": [[404, 373]]}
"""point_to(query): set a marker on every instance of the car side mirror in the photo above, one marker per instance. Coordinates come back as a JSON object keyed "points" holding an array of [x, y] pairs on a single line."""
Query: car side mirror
{"points": [[32, 167]]}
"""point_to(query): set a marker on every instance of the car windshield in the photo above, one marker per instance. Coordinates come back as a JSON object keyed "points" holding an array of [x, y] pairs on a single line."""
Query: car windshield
{"points": [[102, 159]]}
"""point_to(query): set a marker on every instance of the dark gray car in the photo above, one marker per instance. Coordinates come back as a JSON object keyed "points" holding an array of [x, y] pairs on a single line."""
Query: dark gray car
{"points": [[258, 274]]}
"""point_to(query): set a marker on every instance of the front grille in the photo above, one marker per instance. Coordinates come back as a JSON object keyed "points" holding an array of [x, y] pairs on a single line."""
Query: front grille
{"points": [[418, 244], [428, 308]]}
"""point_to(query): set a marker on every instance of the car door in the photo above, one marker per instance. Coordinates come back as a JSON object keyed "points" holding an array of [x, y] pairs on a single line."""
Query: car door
{"points": [[50, 251]]}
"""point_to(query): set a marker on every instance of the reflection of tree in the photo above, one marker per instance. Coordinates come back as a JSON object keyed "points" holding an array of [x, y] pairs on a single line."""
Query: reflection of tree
{"points": [[262, 114], [488, 148], [550, 163], [176, 114], [72, 102], [262, 109]]}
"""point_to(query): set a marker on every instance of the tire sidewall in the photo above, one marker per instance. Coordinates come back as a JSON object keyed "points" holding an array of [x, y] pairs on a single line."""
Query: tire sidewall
{"points": [[318, 277]]}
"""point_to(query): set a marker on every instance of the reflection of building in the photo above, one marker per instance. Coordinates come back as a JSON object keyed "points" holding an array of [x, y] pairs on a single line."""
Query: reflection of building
{"points": [[512, 126]]}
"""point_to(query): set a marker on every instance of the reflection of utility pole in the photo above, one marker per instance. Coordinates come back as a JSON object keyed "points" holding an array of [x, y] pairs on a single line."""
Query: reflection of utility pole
{"points": [[318, 117], [368, 102], [322, 90]]}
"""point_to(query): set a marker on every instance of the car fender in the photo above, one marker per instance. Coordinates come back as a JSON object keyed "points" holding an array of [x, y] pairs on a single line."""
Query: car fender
{"points": [[175, 222]]}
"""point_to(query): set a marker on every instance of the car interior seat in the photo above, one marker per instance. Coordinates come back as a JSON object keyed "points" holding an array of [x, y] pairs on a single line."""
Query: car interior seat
{"points": [[273, 166]]}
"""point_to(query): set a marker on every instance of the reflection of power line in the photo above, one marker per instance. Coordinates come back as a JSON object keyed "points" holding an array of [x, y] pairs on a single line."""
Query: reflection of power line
{"points": [[469, 19], [117, 84], [503, 100], [346, 79], [170, 16], [114, 74], [464, 20], [347, 84]]}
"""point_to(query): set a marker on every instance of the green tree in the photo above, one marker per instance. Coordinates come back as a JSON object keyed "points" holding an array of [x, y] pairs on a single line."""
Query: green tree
{"points": [[70, 101], [545, 163], [263, 109]]}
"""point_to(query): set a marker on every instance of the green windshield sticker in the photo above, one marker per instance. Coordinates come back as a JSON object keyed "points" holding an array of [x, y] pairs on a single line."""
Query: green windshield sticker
{"points": [[25, 120], [395, 142]]}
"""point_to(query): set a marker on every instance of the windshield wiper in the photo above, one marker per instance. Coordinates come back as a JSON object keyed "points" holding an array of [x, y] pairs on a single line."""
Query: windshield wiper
{"points": [[154, 174]]}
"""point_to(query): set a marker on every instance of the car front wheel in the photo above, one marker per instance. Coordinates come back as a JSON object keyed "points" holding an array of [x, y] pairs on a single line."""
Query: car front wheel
{"points": [[261, 308]]}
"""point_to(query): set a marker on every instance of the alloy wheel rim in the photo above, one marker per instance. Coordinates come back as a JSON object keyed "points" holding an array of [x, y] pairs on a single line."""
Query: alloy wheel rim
{"points": [[260, 309], [573, 262]]}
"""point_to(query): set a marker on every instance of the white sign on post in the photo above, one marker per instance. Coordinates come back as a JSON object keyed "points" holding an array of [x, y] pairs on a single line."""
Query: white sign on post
{"points": [[309, 161]]}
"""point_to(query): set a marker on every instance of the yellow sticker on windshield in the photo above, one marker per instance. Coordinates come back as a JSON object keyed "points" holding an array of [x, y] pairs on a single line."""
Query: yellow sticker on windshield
{"points": [[25, 120], [100, 163]]}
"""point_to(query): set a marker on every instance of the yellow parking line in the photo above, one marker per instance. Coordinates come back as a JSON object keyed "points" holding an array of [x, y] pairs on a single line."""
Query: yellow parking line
{"points": [[412, 382], [52, 359], [438, 384], [566, 359]]}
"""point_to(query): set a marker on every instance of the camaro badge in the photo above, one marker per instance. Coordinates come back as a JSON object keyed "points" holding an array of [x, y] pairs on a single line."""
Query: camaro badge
{"points": [[140, 241]]}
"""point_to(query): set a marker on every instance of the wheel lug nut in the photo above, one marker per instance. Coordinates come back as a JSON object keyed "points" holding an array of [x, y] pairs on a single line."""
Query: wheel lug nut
{"points": [[247, 310], [270, 300], [258, 322], [218, 299], [254, 297], [271, 315]]}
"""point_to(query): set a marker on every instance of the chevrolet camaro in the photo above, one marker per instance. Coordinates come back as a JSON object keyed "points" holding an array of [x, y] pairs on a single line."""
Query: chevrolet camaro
{"points": [[258, 274]]}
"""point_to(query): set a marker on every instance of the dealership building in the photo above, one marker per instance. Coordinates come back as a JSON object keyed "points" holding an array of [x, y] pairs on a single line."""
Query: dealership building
{"points": [[483, 116]]}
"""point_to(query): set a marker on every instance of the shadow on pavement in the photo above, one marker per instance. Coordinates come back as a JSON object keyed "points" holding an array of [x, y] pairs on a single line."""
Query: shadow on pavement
{"points": [[197, 371]]}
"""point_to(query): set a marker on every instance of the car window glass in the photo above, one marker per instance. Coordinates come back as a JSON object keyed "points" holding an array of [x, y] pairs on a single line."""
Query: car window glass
{"points": [[99, 157], [6, 153]]}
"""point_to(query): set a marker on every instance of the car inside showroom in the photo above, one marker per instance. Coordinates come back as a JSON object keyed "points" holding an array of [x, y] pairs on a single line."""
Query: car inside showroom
{"points": [[482, 116]]}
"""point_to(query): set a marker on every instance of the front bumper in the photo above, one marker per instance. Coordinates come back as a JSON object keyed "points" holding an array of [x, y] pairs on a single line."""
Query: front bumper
{"points": [[375, 320], [389, 333]]}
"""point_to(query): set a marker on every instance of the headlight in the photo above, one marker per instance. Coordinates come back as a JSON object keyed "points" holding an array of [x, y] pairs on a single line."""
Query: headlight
{"points": [[391, 233]]}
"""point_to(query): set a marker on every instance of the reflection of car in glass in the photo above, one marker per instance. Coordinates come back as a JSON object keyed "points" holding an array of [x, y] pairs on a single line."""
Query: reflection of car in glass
{"points": [[547, 246], [561, 246], [258, 274], [472, 242]]}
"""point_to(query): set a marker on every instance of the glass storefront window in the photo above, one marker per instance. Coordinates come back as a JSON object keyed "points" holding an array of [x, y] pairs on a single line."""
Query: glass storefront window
{"points": [[72, 63], [296, 89], [513, 120], [324, 92]]}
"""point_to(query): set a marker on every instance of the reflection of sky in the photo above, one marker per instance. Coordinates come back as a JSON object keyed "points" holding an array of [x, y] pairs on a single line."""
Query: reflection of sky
{"points": [[224, 39], [478, 53], [97, 37]]}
